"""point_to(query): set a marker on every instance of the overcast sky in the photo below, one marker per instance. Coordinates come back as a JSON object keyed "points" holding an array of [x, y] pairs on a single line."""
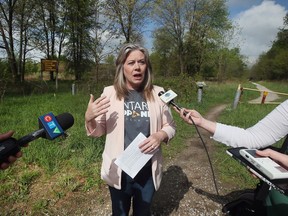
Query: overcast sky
{"points": [[258, 21]]}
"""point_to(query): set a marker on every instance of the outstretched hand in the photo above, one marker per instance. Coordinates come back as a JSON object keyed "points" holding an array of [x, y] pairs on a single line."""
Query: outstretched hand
{"points": [[189, 115], [96, 107]]}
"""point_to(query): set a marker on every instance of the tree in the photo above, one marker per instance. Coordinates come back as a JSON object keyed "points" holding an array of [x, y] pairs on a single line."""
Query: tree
{"points": [[129, 18], [193, 29], [50, 29], [80, 22], [208, 24], [170, 16], [102, 45], [273, 64], [14, 28]]}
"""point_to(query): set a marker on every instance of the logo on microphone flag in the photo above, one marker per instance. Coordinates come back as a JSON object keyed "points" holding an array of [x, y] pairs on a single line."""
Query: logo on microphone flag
{"points": [[51, 126], [56, 131], [168, 96]]}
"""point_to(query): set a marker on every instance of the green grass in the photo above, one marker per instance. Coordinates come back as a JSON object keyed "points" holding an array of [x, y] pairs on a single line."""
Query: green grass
{"points": [[245, 115], [73, 164]]}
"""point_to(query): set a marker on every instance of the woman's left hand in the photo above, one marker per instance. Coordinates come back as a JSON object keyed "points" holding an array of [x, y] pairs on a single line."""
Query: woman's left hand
{"points": [[276, 156], [152, 143]]}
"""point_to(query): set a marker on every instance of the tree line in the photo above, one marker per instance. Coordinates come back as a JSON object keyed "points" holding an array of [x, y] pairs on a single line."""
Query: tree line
{"points": [[273, 64], [190, 37]]}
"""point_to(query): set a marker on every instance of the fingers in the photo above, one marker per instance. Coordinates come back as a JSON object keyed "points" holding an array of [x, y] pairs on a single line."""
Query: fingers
{"points": [[149, 145], [96, 107], [176, 109], [101, 104], [266, 152], [10, 160], [18, 154], [6, 135], [91, 98], [262, 153], [4, 166]]}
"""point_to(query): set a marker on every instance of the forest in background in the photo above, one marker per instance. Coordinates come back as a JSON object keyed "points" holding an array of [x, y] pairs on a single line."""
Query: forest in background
{"points": [[190, 37], [191, 41]]}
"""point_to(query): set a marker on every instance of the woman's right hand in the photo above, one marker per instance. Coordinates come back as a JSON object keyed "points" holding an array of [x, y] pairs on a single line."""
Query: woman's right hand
{"points": [[187, 114], [96, 107]]}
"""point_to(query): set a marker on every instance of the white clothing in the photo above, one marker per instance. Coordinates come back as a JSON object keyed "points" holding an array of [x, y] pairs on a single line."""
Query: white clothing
{"points": [[266, 132]]}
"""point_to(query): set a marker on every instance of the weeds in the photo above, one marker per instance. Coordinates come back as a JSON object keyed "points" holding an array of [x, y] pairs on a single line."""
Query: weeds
{"points": [[73, 164]]}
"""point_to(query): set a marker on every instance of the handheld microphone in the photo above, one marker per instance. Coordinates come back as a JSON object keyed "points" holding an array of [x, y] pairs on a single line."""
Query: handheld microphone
{"points": [[168, 97], [50, 128]]}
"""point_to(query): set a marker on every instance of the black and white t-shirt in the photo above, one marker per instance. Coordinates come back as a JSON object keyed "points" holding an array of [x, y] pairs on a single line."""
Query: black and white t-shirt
{"points": [[136, 115]]}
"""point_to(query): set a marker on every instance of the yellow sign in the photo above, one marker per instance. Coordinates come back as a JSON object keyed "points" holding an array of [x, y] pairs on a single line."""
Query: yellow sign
{"points": [[49, 65]]}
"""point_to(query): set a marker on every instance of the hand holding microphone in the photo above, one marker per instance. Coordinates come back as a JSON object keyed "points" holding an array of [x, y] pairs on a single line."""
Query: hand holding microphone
{"points": [[11, 159], [189, 116], [168, 98], [50, 128]]}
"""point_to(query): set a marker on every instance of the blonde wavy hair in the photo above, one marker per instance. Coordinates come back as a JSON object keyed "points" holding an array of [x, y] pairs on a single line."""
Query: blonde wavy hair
{"points": [[120, 81]]}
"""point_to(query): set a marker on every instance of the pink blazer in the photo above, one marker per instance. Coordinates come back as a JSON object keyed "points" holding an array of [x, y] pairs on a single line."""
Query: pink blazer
{"points": [[112, 124]]}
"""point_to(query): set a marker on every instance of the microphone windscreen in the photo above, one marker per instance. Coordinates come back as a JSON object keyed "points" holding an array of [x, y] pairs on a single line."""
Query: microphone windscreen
{"points": [[65, 120]]}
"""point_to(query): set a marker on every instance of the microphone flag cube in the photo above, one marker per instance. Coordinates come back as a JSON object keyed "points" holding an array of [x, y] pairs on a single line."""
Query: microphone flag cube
{"points": [[168, 96], [51, 126]]}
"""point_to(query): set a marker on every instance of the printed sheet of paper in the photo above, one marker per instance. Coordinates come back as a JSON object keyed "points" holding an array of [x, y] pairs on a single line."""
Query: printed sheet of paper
{"points": [[132, 159]]}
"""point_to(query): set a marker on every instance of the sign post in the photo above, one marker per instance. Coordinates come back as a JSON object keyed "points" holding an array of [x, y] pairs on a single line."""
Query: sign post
{"points": [[51, 66]]}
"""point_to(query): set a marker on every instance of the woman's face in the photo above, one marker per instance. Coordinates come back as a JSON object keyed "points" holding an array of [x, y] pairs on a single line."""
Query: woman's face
{"points": [[134, 69]]}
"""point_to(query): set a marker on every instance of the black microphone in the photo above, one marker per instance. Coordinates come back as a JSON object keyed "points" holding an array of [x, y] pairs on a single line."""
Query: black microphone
{"points": [[172, 103], [11, 146]]}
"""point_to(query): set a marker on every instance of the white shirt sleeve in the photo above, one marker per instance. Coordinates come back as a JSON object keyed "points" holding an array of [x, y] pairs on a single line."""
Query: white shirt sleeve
{"points": [[266, 132]]}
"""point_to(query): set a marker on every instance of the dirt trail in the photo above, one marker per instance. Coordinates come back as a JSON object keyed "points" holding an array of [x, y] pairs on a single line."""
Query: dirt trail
{"points": [[269, 98]]}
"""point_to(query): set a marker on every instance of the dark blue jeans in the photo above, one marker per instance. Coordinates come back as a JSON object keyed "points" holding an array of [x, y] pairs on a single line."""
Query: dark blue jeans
{"points": [[140, 190]]}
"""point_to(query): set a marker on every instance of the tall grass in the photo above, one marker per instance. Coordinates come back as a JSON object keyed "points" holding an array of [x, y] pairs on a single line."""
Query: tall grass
{"points": [[73, 163]]}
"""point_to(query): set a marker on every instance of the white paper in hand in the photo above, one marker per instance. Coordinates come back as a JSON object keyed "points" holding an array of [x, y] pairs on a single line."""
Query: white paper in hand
{"points": [[132, 160]]}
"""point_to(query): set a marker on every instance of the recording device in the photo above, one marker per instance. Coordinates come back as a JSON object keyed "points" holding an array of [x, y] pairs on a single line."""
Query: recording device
{"points": [[50, 126], [266, 165], [168, 97], [279, 184]]}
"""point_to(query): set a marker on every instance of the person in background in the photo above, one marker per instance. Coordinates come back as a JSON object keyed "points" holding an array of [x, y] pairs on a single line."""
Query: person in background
{"points": [[11, 159], [266, 132], [130, 106]]}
